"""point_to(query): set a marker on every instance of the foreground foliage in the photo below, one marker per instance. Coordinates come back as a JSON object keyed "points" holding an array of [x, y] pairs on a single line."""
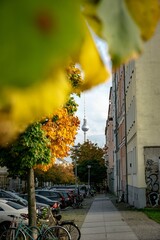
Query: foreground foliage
{"points": [[40, 38]]}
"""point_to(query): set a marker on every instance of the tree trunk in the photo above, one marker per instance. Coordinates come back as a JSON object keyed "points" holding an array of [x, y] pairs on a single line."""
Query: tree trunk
{"points": [[31, 198]]}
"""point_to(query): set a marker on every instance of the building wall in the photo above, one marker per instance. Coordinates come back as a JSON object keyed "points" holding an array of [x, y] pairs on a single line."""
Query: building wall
{"points": [[143, 115], [119, 132], [110, 133], [110, 145], [130, 91], [152, 175], [114, 111], [142, 129]]}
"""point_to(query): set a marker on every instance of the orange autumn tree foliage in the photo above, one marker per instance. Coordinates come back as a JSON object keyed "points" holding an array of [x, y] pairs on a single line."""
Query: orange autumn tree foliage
{"points": [[57, 174], [63, 174], [61, 128]]}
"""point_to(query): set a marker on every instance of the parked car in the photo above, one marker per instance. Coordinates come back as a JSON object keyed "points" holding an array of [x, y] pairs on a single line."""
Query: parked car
{"points": [[15, 197], [10, 208], [54, 204], [53, 195], [12, 196], [69, 196]]}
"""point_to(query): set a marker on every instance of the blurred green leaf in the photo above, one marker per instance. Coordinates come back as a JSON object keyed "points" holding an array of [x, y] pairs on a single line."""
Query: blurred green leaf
{"points": [[119, 30], [36, 37]]}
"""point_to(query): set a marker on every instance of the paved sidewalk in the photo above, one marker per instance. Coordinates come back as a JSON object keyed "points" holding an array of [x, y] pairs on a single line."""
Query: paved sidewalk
{"points": [[105, 222]]}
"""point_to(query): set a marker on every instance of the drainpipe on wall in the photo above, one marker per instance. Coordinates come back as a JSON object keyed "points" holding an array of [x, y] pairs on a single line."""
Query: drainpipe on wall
{"points": [[125, 133], [116, 135]]}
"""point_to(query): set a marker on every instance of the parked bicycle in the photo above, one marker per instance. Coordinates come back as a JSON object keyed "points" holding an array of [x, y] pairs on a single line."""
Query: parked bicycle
{"points": [[77, 203], [69, 225], [54, 233], [20, 231]]}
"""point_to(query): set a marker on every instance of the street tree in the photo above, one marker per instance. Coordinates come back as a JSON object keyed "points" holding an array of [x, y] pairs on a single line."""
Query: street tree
{"points": [[90, 154], [42, 143], [20, 158], [39, 147], [57, 174]]}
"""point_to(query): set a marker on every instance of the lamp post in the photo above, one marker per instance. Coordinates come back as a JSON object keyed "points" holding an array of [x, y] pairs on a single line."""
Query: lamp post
{"points": [[76, 172], [89, 175], [76, 147]]}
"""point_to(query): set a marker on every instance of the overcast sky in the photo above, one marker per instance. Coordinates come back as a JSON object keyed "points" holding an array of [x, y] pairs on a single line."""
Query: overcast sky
{"points": [[96, 110], [96, 106]]}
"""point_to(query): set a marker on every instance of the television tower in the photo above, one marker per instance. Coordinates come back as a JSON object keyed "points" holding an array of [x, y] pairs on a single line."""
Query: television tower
{"points": [[85, 127]]}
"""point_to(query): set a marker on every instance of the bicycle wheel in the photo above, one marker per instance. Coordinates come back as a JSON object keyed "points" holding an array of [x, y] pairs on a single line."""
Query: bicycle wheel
{"points": [[33, 232], [73, 229], [56, 233], [12, 234]]}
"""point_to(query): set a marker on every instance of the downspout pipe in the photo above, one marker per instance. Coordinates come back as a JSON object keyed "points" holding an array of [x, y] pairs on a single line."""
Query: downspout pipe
{"points": [[116, 133], [125, 133]]}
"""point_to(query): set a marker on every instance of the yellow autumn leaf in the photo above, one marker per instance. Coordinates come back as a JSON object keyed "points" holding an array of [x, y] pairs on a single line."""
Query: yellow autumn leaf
{"points": [[146, 14], [93, 66], [31, 104], [89, 11]]}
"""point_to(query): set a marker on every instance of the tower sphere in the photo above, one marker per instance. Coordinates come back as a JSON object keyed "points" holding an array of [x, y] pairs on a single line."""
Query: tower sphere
{"points": [[85, 127]]}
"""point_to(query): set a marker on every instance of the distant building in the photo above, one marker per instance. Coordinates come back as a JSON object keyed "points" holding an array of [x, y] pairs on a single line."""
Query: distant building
{"points": [[3, 178]]}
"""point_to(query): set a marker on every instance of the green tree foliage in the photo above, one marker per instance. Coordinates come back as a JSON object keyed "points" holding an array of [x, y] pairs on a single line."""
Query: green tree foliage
{"points": [[30, 149], [89, 153], [74, 76]]}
